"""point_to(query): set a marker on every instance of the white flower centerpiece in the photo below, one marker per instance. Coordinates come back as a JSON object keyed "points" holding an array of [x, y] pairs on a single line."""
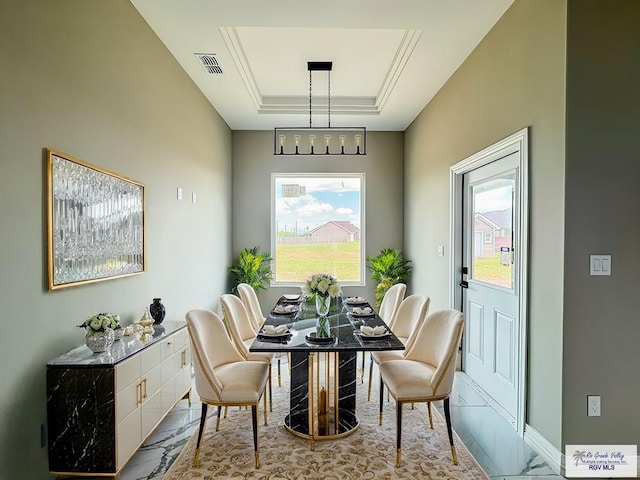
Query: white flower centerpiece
{"points": [[101, 331], [324, 287]]}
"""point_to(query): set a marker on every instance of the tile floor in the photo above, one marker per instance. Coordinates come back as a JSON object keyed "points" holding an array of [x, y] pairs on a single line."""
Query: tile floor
{"points": [[490, 438]]}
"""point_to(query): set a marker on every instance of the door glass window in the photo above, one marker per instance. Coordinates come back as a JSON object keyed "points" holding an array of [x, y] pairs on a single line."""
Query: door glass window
{"points": [[492, 203]]}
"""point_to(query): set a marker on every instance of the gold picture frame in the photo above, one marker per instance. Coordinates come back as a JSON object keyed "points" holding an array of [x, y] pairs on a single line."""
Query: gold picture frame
{"points": [[95, 223]]}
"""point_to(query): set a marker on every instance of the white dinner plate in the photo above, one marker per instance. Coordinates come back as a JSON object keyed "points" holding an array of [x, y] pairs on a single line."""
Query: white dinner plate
{"points": [[373, 337], [363, 315], [275, 335]]}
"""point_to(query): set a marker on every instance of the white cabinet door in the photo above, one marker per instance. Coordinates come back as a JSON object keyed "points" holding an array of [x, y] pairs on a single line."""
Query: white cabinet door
{"points": [[151, 413], [128, 437]]}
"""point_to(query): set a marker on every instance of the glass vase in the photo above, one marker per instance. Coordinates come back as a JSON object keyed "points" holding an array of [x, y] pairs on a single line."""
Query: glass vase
{"points": [[322, 305], [323, 329]]}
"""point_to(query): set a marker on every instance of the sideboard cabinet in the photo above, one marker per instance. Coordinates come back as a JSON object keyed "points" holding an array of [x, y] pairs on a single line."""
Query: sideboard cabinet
{"points": [[101, 407]]}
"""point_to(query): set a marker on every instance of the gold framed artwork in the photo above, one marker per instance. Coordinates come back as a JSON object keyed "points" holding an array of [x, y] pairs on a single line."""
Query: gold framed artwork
{"points": [[95, 223]]}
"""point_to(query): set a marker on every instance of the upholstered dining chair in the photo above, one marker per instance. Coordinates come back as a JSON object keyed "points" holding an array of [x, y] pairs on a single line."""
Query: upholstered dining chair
{"points": [[249, 297], [391, 302], [426, 372], [388, 310], [242, 332], [409, 317], [223, 377]]}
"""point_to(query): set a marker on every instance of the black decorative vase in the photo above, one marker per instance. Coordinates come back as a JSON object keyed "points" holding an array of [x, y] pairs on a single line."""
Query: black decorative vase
{"points": [[157, 311]]}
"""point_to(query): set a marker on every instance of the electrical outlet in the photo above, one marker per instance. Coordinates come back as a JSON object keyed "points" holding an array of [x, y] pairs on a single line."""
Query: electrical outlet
{"points": [[593, 405]]}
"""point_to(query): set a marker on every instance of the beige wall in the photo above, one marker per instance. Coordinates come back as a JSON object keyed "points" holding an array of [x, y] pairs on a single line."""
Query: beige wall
{"points": [[254, 162], [601, 324], [92, 80], [513, 79]]}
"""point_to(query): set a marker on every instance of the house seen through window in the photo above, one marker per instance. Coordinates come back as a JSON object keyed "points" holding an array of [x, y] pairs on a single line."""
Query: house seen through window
{"points": [[317, 227]]}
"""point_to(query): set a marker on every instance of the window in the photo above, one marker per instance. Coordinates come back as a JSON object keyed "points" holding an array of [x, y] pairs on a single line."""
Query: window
{"points": [[317, 227], [487, 237]]}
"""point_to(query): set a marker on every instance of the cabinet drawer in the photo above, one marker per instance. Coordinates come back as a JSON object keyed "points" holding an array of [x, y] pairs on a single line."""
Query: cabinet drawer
{"points": [[127, 400], [168, 371], [182, 339], [182, 359], [150, 358], [152, 383], [168, 347], [127, 372]]}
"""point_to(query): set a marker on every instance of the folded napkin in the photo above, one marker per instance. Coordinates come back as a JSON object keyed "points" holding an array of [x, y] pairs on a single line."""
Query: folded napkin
{"points": [[356, 299], [285, 309], [371, 331], [274, 330], [362, 311]]}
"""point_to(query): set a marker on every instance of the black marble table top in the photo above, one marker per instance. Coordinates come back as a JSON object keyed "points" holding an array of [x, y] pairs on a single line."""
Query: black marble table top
{"points": [[119, 351], [344, 329]]}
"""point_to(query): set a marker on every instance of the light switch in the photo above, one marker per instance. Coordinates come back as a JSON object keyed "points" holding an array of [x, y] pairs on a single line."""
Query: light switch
{"points": [[441, 250], [600, 264], [194, 198], [179, 193]]}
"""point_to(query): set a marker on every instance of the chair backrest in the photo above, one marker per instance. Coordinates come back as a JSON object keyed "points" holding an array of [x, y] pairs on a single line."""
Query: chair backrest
{"points": [[238, 322], [212, 347], [252, 304], [437, 345], [411, 313], [391, 302]]}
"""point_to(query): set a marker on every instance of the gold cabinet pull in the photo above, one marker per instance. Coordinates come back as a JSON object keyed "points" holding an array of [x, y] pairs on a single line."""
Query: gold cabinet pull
{"points": [[184, 358], [144, 383], [139, 393]]}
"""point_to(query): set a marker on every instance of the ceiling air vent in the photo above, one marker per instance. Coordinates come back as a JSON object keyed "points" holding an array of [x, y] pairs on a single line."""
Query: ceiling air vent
{"points": [[210, 63]]}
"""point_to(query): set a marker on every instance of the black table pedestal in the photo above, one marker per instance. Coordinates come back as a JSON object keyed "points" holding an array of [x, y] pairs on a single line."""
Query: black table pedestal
{"points": [[319, 381]]}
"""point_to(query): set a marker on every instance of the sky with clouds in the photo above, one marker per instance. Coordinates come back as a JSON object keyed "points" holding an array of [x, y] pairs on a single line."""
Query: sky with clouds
{"points": [[323, 199]]}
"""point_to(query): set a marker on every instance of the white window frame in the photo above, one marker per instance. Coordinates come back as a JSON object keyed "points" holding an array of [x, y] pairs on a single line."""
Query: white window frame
{"points": [[487, 237], [362, 178]]}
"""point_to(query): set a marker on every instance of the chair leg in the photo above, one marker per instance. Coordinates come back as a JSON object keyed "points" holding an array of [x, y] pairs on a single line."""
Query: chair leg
{"points": [[362, 374], [398, 432], [203, 422], [218, 419], [265, 407], [226, 410], [430, 417], [370, 378], [447, 416], [254, 421], [381, 401], [270, 397], [279, 376]]}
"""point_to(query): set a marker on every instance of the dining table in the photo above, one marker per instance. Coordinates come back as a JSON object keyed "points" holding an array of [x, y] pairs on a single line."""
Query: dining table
{"points": [[322, 354]]}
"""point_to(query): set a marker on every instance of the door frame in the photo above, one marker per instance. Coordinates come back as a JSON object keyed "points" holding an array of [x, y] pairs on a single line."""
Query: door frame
{"points": [[518, 141]]}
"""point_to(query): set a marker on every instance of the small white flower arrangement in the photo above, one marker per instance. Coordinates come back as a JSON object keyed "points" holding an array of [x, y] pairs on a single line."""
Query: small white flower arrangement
{"points": [[101, 322], [322, 284]]}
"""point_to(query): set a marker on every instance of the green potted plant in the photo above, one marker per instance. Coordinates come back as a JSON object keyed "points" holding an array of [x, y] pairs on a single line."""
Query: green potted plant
{"points": [[251, 267], [388, 268]]}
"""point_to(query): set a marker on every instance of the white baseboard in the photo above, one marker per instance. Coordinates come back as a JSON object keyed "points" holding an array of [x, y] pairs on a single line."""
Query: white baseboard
{"points": [[551, 455]]}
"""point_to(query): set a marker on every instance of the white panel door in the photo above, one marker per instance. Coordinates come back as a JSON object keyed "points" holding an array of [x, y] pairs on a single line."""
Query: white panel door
{"points": [[490, 301]]}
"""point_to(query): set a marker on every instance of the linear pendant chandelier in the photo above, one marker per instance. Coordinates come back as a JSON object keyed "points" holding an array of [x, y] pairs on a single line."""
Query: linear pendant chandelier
{"points": [[320, 140]]}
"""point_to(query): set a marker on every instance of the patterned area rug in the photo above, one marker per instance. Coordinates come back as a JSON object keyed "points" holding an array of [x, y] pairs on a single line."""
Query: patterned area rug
{"points": [[368, 453]]}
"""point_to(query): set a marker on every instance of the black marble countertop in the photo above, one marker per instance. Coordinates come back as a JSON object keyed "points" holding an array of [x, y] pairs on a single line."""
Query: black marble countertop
{"points": [[119, 351], [344, 329]]}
